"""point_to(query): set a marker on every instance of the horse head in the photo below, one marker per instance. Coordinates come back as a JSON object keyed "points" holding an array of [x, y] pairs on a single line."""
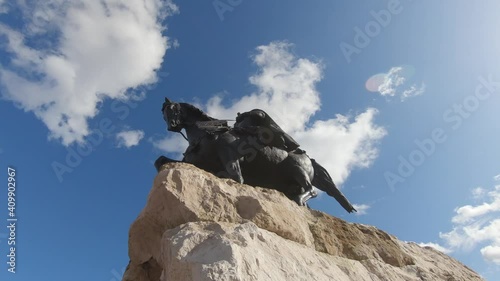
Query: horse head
{"points": [[182, 115], [172, 114]]}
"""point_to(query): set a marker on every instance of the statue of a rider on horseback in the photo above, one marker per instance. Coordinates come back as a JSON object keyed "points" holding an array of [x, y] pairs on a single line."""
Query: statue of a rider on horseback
{"points": [[255, 151]]}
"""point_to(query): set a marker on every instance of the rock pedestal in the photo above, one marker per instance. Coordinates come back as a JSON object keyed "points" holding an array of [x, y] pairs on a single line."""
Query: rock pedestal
{"points": [[196, 226]]}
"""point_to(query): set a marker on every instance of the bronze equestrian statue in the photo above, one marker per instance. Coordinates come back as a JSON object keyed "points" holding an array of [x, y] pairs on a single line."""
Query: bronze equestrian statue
{"points": [[256, 151]]}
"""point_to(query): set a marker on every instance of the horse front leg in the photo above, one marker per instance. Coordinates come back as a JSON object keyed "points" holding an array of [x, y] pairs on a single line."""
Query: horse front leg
{"points": [[234, 170], [163, 160], [229, 159], [231, 166]]}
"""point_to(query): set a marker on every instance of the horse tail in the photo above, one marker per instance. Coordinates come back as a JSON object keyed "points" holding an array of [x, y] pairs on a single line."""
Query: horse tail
{"points": [[323, 181]]}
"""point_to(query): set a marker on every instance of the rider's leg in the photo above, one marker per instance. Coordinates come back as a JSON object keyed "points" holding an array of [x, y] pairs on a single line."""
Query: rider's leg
{"points": [[229, 158]]}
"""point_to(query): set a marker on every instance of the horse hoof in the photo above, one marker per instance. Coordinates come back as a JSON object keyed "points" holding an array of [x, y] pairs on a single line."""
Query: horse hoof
{"points": [[160, 161], [299, 201]]}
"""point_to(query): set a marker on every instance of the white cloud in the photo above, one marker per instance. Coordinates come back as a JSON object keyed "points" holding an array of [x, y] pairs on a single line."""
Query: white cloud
{"points": [[491, 253], [395, 82], [341, 144], [393, 79], [362, 209], [478, 224], [497, 177], [286, 90], [101, 50], [468, 213], [173, 143], [435, 246], [129, 138]]}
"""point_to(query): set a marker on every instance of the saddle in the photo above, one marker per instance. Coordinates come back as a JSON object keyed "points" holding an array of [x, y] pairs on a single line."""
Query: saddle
{"points": [[214, 126]]}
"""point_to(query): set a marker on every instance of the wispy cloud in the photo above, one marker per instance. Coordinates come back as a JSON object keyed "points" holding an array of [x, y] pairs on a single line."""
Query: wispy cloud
{"points": [[286, 90], [396, 82], [435, 246], [477, 224], [102, 50], [413, 91], [362, 209], [3, 7], [497, 177], [478, 192], [129, 139]]}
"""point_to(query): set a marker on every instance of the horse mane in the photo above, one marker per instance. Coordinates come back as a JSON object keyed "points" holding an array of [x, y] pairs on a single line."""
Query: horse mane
{"points": [[194, 110]]}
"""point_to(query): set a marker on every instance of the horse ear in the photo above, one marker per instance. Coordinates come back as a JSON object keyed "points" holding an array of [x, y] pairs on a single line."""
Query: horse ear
{"points": [[167, 101]]}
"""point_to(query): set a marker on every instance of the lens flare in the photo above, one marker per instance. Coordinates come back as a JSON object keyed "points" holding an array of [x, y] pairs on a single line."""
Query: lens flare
{"points": [[374, 82]]}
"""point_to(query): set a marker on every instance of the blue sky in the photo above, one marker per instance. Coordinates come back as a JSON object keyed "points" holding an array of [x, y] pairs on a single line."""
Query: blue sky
{"points": [[402, 96]]}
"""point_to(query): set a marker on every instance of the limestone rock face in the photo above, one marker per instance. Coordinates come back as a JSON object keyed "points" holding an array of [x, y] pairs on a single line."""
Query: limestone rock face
{"points": [[196, 226]]}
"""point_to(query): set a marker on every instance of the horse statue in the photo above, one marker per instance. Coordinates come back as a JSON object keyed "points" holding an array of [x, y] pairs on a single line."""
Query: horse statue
{"points": [[256, 152]]}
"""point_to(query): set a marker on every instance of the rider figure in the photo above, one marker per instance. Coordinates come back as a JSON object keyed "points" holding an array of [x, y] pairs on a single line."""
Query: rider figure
{"points": [[259, 123]]}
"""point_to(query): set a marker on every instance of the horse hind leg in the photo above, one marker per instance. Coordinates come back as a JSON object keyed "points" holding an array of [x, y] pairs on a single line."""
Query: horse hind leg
{"points": [[304, 197], [304, 181]]}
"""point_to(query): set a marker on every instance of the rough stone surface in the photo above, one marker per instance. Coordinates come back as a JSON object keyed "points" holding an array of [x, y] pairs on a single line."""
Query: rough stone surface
{"points": [[196, 226]]}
